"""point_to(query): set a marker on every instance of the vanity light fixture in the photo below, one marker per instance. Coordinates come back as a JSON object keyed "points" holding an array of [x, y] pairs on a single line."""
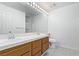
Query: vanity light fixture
{"points": [[37, 7]]}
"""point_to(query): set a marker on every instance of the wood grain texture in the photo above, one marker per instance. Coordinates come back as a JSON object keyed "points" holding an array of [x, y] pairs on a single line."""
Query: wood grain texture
{"points": [[17, 51], [38, 53], [36, 44], [35, 51], [36, 47], [27, 54], [45, 44]]}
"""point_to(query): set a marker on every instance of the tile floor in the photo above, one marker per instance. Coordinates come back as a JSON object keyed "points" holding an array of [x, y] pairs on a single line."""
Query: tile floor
{"points": [[60, 51]]}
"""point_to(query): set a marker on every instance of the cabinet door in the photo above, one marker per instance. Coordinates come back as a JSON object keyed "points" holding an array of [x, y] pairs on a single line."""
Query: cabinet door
{"points": [[27, 54], [36, 47], [36, 44], [38, 54], [45, 44], [45, 40], [45, 47], [36, 51], [18, 51]]}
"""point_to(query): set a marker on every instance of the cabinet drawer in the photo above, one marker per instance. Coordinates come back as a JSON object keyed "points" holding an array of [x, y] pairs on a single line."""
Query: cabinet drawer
{"points": [[35, 51], [18, 50], [36, 44], [27, 54]]}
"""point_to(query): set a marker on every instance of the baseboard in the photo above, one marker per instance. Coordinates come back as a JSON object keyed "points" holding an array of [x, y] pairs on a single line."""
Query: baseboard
{"points": [[76, 49]]}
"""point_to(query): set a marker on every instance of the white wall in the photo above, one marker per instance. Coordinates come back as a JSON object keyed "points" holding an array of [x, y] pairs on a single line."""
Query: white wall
{"points": [[11, 20], [40, 23], [63, 24]]}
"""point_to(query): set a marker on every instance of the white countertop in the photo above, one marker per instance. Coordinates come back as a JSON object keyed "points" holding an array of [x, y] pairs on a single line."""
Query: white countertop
{"points": [[20, 39]]}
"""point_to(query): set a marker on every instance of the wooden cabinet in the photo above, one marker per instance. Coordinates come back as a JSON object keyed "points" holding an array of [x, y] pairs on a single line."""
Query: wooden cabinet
{"points": [[40, 46], [17, 51], [36, 43], [27, 53], [45, 44], [34, 48], [38, 53]]}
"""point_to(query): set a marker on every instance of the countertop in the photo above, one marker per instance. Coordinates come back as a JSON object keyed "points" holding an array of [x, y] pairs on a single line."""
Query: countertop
{"points": [[20, 39]]}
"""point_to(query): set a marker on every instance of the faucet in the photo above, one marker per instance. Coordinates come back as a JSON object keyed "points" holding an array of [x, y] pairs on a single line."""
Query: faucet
{"points": [[11, 35]]}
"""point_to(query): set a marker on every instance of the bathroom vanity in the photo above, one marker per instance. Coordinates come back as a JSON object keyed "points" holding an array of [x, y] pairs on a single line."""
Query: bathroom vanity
{"points": [[34, 46]]}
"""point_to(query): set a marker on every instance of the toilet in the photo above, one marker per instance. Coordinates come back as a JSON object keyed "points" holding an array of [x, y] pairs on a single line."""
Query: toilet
{"points": [[53, 43]]}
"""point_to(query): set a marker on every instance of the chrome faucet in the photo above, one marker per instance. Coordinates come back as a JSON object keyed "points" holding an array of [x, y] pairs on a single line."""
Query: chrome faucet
{"points": [[11, 35]]}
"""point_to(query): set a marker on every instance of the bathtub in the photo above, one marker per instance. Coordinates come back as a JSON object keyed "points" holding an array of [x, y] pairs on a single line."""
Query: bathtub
{"points": [[19, 39]]}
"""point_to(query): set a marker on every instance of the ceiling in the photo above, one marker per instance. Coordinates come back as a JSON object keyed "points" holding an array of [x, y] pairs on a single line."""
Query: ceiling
{"points": [[50, 6], [30, 11]]}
